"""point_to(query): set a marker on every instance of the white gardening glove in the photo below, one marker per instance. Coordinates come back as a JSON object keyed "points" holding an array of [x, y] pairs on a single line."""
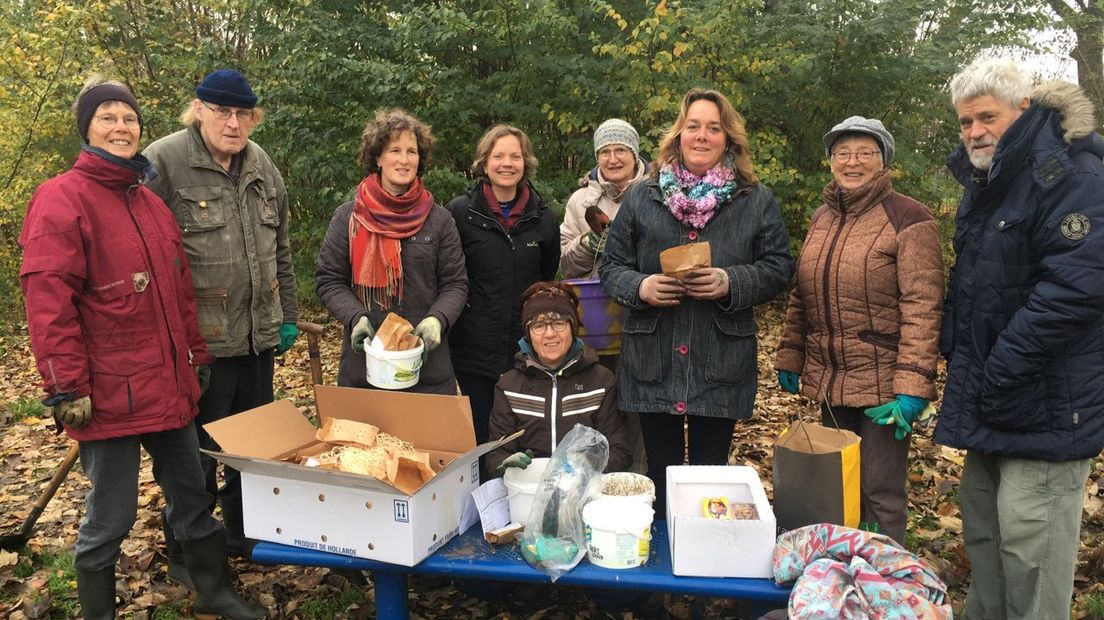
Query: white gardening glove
{"points": [[429, 330]]}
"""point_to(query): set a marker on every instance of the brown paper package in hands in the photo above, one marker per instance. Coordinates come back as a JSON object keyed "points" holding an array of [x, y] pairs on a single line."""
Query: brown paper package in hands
{"points": [[677, 260], [393, 333]]}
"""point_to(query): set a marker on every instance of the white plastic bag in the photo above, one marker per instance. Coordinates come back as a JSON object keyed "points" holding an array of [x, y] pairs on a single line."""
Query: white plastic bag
{"points": [[554, 540]]}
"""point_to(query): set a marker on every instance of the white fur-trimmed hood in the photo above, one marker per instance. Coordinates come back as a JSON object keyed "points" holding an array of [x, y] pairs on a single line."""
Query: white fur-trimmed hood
{"points": [[1078, 117]]}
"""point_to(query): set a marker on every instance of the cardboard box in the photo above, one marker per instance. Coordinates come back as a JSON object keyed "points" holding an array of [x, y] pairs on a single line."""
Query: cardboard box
{"points": [[704, 547], [349, 513]]}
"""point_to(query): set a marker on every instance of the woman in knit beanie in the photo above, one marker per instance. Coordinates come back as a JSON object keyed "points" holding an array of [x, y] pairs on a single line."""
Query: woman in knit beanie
{"points": [[556, 382], [593, 206], [112, 321]]}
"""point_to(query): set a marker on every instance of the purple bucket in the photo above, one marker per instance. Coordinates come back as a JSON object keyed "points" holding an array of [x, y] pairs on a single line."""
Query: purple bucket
{"points": [[602, 317]]}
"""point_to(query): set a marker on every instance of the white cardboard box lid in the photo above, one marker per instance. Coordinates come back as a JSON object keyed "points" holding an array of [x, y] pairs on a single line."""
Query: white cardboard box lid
{"points": [[253, 440], [432, 422]]}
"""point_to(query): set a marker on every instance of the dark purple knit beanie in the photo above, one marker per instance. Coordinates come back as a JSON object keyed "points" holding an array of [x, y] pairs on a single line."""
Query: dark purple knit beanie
{"points": [[91, 99]]}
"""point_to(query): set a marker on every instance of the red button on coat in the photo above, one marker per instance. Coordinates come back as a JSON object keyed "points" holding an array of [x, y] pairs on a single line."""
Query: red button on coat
{"points": [[693, 235], [683, 349], [680, 406]]}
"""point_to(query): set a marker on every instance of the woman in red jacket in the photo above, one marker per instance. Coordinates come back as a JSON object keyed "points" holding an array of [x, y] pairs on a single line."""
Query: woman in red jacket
{"points": [[112, 321]]}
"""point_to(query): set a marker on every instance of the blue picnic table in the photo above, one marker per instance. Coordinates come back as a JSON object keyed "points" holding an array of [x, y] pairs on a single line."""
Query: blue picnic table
{"points": [[470, 556]]}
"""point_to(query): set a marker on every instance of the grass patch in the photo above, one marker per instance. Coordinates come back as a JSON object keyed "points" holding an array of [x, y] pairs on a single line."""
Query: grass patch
{"points": [[62, 582], [167, 613], [332, 605], [1093, 606], [25, 407]]}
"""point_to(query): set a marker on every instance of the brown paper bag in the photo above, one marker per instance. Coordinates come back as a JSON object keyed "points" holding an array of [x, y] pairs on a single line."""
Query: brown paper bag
{"points": [[816, 476], [413, 471], [394, 331], [347, 432], [677, 260]]}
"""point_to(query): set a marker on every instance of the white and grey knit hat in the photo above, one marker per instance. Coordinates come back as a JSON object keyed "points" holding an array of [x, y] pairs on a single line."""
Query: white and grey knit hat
{"points": [[868, 126], [616, 131]]}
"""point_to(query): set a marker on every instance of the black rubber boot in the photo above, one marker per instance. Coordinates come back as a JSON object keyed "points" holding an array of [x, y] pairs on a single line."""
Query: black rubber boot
{"points": [[174, 558], [96, 591], [215, 597]]}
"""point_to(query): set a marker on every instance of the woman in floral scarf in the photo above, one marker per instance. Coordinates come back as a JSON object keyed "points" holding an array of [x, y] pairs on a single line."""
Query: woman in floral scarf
{"points": [[688, 348], [394, 249]]}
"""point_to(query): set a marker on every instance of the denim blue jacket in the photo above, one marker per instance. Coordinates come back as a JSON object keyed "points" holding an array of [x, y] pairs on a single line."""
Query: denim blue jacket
{"points": [[698, 357]]}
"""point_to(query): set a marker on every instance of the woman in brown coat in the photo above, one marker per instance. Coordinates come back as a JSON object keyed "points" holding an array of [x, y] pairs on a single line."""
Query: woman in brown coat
{"points": [[862, 330]]}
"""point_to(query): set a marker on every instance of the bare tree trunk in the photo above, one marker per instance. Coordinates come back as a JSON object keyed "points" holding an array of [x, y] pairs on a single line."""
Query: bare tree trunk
{"points": [[1089, 54], [1086, 19]]}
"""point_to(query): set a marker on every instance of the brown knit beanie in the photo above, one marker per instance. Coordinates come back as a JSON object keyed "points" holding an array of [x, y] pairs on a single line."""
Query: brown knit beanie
{"points": [[548, 299]]}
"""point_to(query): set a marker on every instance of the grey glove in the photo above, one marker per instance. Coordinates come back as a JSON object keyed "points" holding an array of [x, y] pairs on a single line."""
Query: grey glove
{"points": [[76, 413], [361, 331], [521, 460], [429, 330]]}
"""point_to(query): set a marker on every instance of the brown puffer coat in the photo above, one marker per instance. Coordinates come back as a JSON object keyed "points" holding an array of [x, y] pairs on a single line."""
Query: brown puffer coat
{"points": [[863, 321]]}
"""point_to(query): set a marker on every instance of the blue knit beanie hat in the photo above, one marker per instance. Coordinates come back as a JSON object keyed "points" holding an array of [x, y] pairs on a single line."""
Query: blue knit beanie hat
{"points": [[226, 87]]}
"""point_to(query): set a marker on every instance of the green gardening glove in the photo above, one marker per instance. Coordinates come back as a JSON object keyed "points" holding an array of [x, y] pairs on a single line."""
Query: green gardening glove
{"points": [[429, 330], [902, 411], [882, 414], [76, 413], [288, 333], [790, 381], [521, 460], [361, 331]]}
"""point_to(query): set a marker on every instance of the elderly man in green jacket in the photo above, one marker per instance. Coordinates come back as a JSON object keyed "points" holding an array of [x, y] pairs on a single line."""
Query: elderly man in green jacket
{"points": [[232, 208]]}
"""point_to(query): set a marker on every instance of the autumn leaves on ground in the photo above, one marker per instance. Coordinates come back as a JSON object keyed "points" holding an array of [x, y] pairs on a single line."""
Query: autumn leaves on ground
{"points": [[38, 581]]}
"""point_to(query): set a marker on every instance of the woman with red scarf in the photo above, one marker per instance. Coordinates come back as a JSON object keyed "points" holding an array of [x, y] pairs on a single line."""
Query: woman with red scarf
{"points": [[393, 249]]}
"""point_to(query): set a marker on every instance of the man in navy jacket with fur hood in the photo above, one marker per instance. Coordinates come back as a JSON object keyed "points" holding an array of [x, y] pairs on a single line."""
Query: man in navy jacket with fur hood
{"points": [[1023, 333]]}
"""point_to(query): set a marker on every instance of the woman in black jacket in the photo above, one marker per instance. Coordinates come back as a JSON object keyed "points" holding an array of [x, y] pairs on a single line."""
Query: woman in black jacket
{"points": [[511, 239]]}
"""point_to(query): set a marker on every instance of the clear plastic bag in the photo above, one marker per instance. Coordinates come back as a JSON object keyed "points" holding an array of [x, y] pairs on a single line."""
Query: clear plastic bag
{"points": [[554, 540]]}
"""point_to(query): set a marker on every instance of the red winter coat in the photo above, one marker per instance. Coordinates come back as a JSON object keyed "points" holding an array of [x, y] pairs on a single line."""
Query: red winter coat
{"points": [[110, 305]]}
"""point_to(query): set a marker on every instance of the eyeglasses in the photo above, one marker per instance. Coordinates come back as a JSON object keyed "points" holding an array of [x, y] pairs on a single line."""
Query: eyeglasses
{"points": [[864, 157], [540, 327], [619, 152], [223, 113], [108, 121]]}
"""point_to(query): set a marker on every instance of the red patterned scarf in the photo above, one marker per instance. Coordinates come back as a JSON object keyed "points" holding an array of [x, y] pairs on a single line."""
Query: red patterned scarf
{"points": [[520, 202], [378, 223]]}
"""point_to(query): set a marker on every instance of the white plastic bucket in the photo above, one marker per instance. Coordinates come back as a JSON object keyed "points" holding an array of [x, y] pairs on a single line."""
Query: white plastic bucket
{"points": [[618, 532], [393, 370], [521, 486], [630, 485]]}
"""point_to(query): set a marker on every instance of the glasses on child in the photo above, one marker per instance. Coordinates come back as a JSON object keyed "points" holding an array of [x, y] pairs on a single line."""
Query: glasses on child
{"points": [[864, 157], [540, 327]]}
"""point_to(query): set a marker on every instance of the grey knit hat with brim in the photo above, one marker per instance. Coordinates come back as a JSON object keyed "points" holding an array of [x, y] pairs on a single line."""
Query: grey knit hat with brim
{"points": [[867, 126]]}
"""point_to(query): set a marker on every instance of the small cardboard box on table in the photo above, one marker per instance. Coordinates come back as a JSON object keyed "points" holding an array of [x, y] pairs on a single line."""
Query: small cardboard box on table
{"points": [[348, 513], [706, 547]]}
